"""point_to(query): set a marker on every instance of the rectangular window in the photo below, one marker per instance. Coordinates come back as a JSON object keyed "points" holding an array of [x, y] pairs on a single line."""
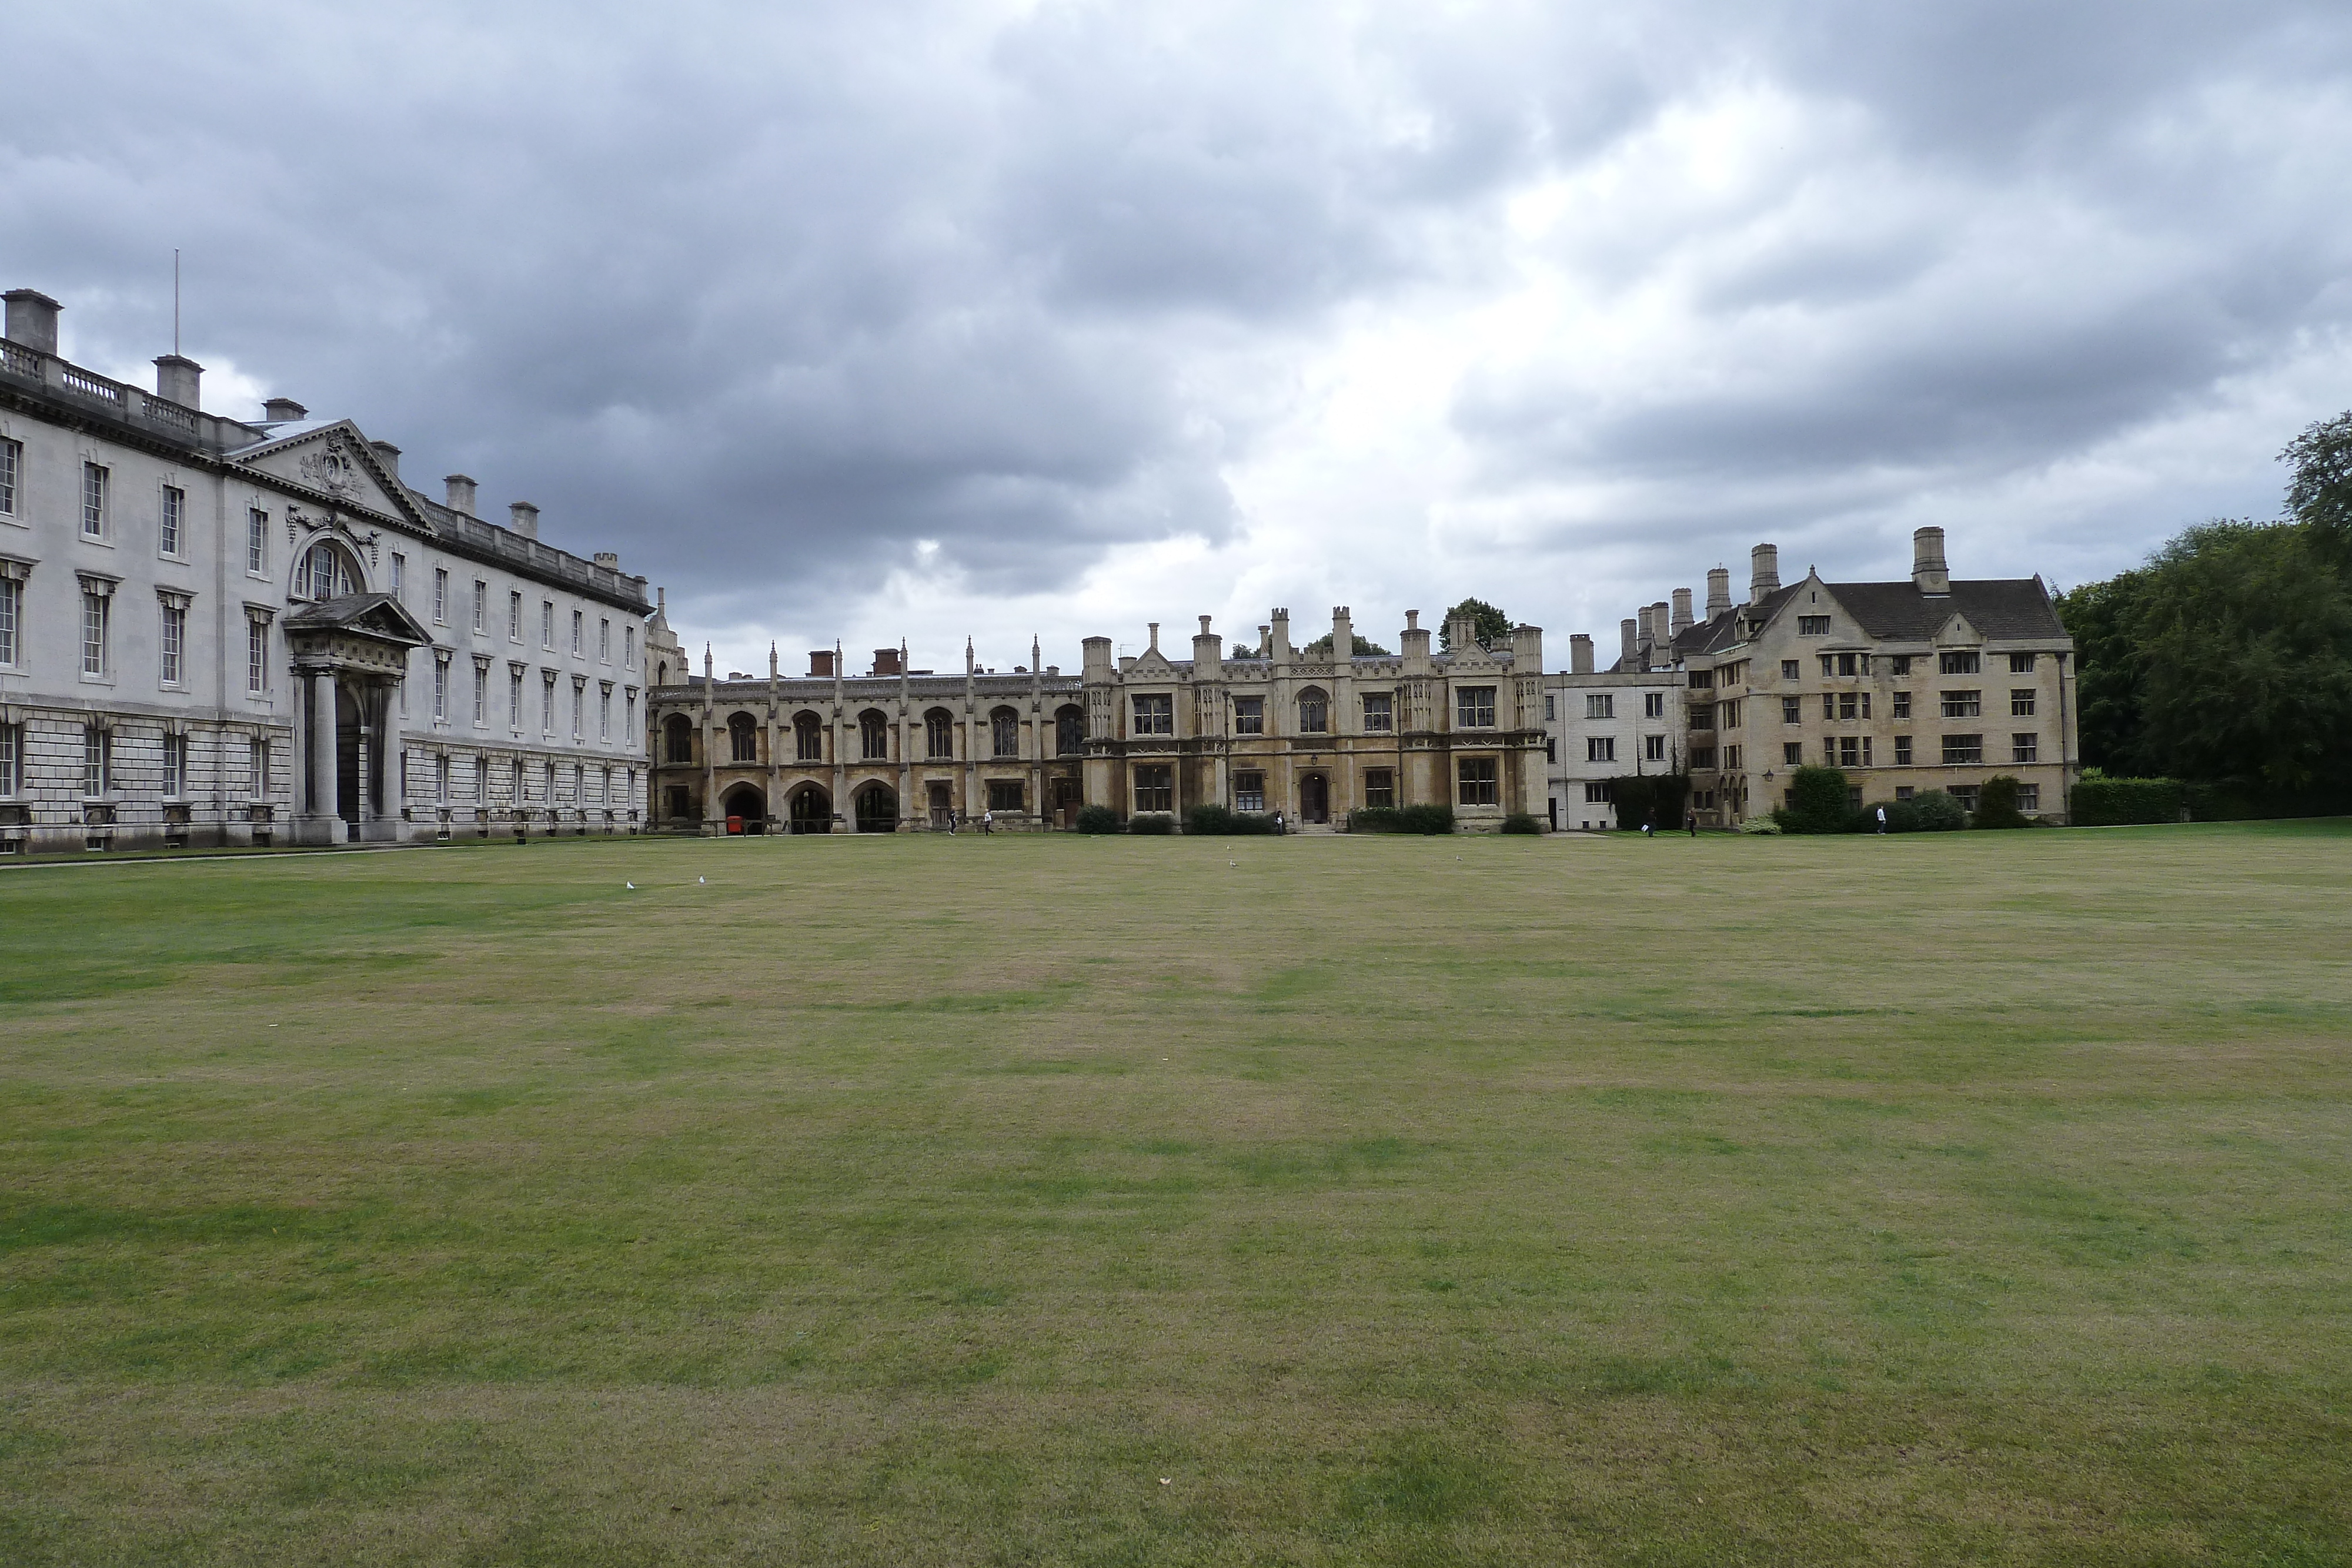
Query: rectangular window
{"points": [[1732, 714], [629, 646], [547, 624], [1548, 707], [605, 714], [167, 532], [257, 542], [1848, 706], [95, 609], [1902, 704], [1957, 663], [1829, 708], [481, 607], [1475, 781], [1551, 749], [1961, 750], [1966, 794], [1902, 751], [2029, 797], [1790, 669], [1249, 791], [1249, 715], [629, 713], [1792, 710], [578, 633], [1155, 788], [12, 459], [1701, 680], [441, 779], [1792, 753], [94, 481], [2025, 747], [547, 704], [1963, 704], [604, 639], [1653, 704], [1597, 794], [1314, 715], [1599, 705], [257, 655], [514, 701], [1849, 751], [176, 637], [579, 711], [1702, 715], [2021, 702], [1155, 714], [440, 596], [514, 616], [1600, 748], [2020, 664], [1004, 794], [481, 695], [1473, 707], [1902, 791], [96, 760], [1379, 717], [1702, 757], [1730, 759], [1654, 748], [440, 691], [1380, 787], [12, 616], [12, 758], [1812, 625], [176, 767], [257, 767]]}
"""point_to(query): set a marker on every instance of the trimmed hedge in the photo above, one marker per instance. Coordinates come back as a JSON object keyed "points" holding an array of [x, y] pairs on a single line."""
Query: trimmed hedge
{"points": [[1151, 823], [1097, 819], [1211, 819], [1521, 822], [1997, 804], [2110, 802], [1817, 803], [1429, 820]]}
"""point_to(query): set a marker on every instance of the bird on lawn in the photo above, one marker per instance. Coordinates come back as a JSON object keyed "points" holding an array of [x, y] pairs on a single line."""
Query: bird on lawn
{"points": [[706, 880], [630, 885]]}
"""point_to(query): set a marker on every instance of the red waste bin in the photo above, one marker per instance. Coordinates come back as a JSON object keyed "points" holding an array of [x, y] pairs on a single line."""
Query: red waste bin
{"points": [[734, 824]]}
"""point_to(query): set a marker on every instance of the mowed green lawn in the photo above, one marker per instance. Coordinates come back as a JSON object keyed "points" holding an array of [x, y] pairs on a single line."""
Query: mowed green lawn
{"points": [[1947, 1198]]}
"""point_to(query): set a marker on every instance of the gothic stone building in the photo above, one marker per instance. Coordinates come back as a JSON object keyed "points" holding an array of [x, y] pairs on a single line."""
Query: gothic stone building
{"points": [[1302, 732], [220, 632], [1933, 683]]}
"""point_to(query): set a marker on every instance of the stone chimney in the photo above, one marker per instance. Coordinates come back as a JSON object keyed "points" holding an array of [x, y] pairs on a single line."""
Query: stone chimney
{"points": [[1278, 642], [461, 494], [282, 410], [1461, 634], [1682, 620], [523, 518], [1644, 633], [1208, 651], [32, 319], [1628, 652], [1763, 573], [388, 455], [1343, 636], [821, 662], [1580, 654], [885, 662], [180, 380], [1718, 592], [1154, 645], [1659, 615], [1414, 644], [1928, 570]]}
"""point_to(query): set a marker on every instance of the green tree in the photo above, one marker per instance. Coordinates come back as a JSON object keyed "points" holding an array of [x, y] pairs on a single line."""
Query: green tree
{"points": [[1490, 623], [2320, 494], [2103, 619], [1364, 647], [1818, 802]]}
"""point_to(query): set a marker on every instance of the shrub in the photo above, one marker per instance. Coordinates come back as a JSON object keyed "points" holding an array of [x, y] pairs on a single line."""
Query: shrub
{"points": [[1151, 823], [1817, 803], [1212, 819], [1097, 820], [1997, 804], [2107, 802], [1402, 819], [1520, 822], [1758, 827], [1935, 812]]}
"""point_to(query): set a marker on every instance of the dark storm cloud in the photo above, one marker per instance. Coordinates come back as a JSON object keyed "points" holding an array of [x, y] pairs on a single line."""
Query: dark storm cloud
{"points": [[781, 302]]}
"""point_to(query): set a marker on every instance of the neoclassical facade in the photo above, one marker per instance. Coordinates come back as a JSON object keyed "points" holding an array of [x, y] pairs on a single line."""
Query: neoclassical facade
{"points": [[222, 632], [1277, 729]]}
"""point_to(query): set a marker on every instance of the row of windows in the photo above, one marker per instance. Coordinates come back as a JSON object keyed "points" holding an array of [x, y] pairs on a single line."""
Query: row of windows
{"points": [[548, 775], [1854, 751], [1961, 663], [98, 763], [1603, 705], [1155, 786]]}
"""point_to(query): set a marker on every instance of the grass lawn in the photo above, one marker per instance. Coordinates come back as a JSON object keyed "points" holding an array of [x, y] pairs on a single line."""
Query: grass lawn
{"points": [[1946, 1198]]}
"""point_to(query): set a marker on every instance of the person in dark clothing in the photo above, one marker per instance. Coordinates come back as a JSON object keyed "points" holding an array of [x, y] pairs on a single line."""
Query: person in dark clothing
{"points": [[1690, 820]]}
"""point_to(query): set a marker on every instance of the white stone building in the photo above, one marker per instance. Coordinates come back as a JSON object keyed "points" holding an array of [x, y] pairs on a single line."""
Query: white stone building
{"points": [[221, 632], [1602, 724]]}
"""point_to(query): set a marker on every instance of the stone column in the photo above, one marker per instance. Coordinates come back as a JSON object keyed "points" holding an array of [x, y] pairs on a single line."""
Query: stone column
{"points": [[325, 826]]}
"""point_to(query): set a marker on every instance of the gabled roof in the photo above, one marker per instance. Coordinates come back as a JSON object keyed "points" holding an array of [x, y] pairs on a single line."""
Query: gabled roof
{"points": [[2000, 609], [373, 614]]}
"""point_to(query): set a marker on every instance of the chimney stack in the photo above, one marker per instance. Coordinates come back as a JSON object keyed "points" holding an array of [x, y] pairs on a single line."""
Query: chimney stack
{"points": [[461, 494], [1682, 620], [388, 455], [1763, 573], [1343, 636], [1155, 637], [1928, 570], [32, 319], [523, 518], [180, 380], [821, 662], [1718, 592], [1628, 654], [886, 661], [282, 410], [1580, 654], [1658, 628]]}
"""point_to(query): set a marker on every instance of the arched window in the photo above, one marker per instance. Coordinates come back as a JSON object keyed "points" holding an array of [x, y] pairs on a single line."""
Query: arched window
{"points": [[662, 678], [1004, 732], [1314, 711], [680, 731], [743, 738], [808, 738], [1069, 730], [874, 735], [326, 573], [938, 732]]}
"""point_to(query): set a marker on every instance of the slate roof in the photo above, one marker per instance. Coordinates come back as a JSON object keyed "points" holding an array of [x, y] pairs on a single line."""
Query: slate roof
{"points": [[2002, 609]]}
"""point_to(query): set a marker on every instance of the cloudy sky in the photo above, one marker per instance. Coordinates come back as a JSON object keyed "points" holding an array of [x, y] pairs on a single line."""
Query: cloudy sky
{"points": [[861, 320]]}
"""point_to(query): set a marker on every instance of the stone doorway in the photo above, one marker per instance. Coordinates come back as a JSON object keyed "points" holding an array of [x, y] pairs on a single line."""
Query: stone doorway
{"points": [[1315, 799], [350, 735], [812, 811], [943, 803]]}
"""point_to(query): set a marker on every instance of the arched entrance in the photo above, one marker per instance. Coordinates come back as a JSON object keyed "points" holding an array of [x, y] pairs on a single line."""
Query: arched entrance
{"points": [[746, 801], [1315, 799], [810, 811], [347, 736], [877, 810]]}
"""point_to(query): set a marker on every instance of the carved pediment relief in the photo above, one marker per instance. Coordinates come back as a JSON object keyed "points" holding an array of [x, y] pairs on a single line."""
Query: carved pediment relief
{"points": [[335, 462]]}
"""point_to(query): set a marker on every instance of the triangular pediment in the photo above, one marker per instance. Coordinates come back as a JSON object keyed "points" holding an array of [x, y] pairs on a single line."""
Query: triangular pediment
{"points": [[376, 615], [1152, 662], [334, 461], [1956, 629]]}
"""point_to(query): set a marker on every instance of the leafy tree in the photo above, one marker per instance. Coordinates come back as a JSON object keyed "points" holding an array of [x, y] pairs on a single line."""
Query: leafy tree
{"points": [[1996, 803], [1364, 647], [1818, 802], [1490, 623], [2102, 618], [2320, 494]]}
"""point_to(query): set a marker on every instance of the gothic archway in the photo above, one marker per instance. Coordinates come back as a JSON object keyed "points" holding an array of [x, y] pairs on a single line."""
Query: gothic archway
{"points": [[810, 809], [877, 810]]}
